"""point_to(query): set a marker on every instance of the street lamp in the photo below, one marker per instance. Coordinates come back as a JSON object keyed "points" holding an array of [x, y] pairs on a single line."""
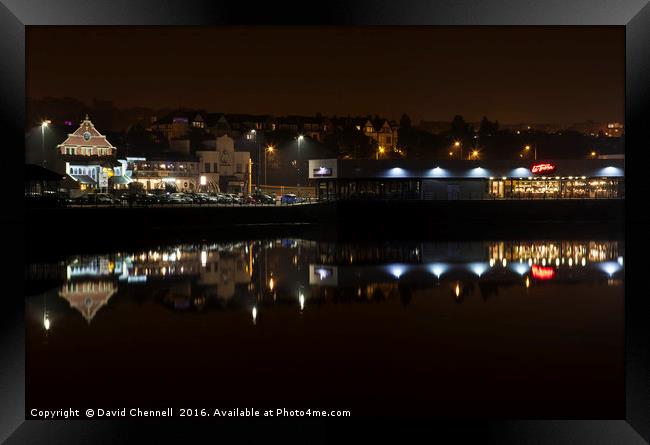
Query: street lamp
{"points": [[380, 150], [300, 138], [475, 154], [593, 154], [527, 149], [269, 149], [254, 135], [458, 144], [44, 124]]}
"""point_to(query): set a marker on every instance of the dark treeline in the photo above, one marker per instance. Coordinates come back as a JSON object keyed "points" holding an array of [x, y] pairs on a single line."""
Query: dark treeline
{"points": [[130, 130]]}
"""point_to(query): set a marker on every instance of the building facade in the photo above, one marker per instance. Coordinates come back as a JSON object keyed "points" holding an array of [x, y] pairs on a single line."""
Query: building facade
{"points": [[89, 157], [172, 172], [459, 180], [223, 168]]}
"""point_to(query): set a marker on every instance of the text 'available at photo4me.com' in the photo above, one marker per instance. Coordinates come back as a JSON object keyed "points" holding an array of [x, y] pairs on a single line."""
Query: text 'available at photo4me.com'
{"points": [[90, 413]]}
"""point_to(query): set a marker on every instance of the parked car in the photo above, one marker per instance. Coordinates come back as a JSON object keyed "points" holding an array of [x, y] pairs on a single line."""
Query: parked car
{"points": [[180, 198], [289, 198], [263, 199], [94, 199], [234, 198], [146, 198]]}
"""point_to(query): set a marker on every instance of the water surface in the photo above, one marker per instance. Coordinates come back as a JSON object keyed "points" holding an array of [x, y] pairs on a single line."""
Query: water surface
{"points": [[455, 329]]}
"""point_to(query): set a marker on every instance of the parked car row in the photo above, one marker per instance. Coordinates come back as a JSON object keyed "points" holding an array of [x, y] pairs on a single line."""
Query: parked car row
{"points": [[148, 198]]}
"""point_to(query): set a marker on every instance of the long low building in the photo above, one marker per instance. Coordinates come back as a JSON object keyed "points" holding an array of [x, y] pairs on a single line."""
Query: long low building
{"points": [[454, 179]]}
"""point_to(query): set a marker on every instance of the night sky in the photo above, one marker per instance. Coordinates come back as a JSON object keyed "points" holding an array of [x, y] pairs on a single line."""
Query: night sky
{"points": [[513, 74]]}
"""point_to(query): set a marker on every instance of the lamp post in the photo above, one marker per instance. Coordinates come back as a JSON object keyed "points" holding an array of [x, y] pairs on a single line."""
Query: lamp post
{"points": [[527, 148], [268, 150], [380, 150], [300, 138], [43, 125], [458, 144], [259, 156]]}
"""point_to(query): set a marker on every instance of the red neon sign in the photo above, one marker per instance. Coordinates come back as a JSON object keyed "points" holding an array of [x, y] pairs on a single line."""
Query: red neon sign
{"points": [[542, 273], [543, 168]]}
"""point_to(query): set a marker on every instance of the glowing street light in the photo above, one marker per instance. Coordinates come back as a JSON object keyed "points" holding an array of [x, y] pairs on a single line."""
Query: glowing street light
{"points": [[300, 138], [380, 150], [593, 154], [44, 124], [269, 149]]}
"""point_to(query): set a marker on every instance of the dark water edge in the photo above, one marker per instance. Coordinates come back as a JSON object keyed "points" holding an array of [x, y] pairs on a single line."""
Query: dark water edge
{"points": [[55, 232]]}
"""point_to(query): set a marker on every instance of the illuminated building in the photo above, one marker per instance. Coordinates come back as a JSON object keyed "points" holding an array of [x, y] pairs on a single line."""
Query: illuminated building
{"points": [[90, 158], [455, 179], [173, 172]]}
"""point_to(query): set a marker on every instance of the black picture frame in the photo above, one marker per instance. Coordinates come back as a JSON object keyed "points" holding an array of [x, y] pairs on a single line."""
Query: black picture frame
{"points": [[634, 15]]}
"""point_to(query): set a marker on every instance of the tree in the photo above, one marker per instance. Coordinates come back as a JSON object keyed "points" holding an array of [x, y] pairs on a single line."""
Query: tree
{"points": [[405, 121], [459, 128], [352, 143]]}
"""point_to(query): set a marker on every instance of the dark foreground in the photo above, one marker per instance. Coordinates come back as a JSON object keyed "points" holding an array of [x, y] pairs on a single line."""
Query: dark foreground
{"points": [[74, 230]]}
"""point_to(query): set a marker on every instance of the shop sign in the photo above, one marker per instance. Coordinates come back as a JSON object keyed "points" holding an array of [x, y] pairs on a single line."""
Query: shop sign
{"points": [[542, 273], [540, 169]]}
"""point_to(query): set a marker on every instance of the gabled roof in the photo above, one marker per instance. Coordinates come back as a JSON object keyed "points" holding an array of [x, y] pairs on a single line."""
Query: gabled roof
{"points": [[95, 138]]}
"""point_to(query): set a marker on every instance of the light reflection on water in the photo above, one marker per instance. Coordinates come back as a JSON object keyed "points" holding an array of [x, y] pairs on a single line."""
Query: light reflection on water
{"points": [[257, 275], [530, 328]]}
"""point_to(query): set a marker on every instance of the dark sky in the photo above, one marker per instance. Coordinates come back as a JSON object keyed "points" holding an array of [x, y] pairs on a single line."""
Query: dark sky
{"points": [[513, 74]]}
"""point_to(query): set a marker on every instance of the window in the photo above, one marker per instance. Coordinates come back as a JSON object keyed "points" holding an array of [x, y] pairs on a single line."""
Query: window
{"points": [[207, 167], [215, 167], [389, 140]]}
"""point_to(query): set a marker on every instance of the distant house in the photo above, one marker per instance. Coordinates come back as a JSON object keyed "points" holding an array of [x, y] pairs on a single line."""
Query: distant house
{"points": [[178, 124], [382, 131]]}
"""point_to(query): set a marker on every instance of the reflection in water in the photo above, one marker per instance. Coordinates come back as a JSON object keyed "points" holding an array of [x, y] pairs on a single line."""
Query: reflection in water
{"points": [[256, 275], [511, 328]]}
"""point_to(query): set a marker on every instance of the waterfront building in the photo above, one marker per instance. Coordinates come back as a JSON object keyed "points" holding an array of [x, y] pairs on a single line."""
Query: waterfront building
{"points": [[171, 172], [462, 180], [223, 168], [88, 156]]}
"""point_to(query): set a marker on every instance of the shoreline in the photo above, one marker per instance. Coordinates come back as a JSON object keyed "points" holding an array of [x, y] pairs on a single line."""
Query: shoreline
{"points": [[52, 232]]}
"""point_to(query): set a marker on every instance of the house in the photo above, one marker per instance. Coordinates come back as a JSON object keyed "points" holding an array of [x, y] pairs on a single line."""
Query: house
{"points": [[89, 157], [223, 168], [177, 125]]}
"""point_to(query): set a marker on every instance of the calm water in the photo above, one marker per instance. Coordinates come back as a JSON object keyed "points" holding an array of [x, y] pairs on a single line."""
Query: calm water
{"points": [[478, 329]]}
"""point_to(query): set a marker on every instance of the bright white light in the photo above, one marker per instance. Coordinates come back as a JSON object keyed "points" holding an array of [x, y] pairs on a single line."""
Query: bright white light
{"points": [[478, 268], [301, 299], [520, 268], [620, 260], [397, 270], [46, 322], [570, 262], [557, 261], [204, 258], [204, 180], [396, 171], [610, 267], [583, 262], [254, 313], [504, 262], [438, 269]]}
